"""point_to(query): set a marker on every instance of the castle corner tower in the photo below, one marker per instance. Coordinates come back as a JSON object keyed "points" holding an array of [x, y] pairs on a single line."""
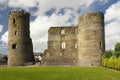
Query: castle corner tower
{"points": [[91, 41], [20, 48]]}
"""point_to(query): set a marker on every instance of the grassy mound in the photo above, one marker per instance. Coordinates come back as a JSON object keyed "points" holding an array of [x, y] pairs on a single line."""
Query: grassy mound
{"points": [[58, 73]]}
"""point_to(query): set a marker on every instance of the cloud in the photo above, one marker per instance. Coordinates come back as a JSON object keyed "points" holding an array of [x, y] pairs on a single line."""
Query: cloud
{"points": [[50, 13], [3, 4], [112, 13], [4, 37], [24, 4], [1, 28], [45, 5], [39, 28], [112, 29]]}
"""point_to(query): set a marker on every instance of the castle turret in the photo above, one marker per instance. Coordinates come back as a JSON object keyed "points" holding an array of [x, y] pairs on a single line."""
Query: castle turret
{"points": [[20, 48], [91, 41]]}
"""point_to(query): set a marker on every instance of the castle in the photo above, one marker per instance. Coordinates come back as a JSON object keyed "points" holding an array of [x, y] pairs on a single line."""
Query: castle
{"points": [[20, 48], [81, 45]]}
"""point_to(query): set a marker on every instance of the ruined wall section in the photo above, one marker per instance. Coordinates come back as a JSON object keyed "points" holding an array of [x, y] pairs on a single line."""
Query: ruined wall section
{"points": [[91, 41], [20, 48], [62, 46]]}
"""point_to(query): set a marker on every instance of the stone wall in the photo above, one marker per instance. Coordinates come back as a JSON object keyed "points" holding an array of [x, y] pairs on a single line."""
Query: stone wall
{"points": [[84, 44], [62, 46]]}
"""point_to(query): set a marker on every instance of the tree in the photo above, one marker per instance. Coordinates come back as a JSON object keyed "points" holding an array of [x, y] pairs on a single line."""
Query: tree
{"points": [[117, 49], [117, 46], [5, 58], [108, 54]]}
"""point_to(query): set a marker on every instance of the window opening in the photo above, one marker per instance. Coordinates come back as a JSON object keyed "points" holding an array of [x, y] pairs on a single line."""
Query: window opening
{"points": [[13, 21], [63, 45], [16, 32], [100, 44], [75, 45], [63, 31], [14, 46]]}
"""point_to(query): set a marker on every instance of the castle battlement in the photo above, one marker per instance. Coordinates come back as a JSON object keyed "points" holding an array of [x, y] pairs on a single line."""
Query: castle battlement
{"points": [[92, 16], [19, 13]]}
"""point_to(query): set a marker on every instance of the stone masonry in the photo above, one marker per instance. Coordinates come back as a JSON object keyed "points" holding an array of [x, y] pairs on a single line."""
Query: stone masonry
{"points": [[81, 45]]}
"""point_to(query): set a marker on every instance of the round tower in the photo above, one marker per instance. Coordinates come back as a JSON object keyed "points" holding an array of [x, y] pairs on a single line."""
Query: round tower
{"points": [[20, 48], [91, 41]]}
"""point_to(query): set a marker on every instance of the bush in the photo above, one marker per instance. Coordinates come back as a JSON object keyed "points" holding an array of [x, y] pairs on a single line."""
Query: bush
{"points": [[111, 62], [104, 61], [119, 63]]}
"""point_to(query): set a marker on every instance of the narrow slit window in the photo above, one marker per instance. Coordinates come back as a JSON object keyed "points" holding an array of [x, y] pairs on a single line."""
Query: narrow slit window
{"points": [[75, 45], [100, 44], [63, 45], [16, 33], [14, 21]]}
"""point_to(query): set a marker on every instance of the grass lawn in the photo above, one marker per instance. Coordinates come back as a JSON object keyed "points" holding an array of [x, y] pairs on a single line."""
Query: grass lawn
{"points": [[58, 73]]}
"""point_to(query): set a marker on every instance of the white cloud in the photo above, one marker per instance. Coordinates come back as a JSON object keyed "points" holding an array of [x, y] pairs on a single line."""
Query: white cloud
{"points": [[113, 12], [112, 29], [4, 37], [1, 27], [25, 4], [3, 4], [39, 27], [59, 4]]}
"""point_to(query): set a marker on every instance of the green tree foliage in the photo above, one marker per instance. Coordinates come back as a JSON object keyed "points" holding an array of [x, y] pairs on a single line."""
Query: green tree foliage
{"points": [[117, 49], [5, 58], [111, 59], [117, 46], [108, 54]]}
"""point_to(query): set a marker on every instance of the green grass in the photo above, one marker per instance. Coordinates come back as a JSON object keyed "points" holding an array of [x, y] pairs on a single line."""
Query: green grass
{"points": [[58, 73]]}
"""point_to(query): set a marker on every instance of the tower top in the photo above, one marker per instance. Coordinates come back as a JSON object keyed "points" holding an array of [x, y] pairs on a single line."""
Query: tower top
{"points": [[91, 16], [18, 13]]}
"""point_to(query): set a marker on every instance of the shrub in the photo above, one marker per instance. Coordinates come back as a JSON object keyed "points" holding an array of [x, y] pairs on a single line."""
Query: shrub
{"points": [[104, 61], [119, 63], [111, 62]]}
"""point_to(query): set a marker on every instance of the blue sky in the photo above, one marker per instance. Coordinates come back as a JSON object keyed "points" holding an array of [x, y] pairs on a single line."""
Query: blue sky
{"points": [[47, 13]]}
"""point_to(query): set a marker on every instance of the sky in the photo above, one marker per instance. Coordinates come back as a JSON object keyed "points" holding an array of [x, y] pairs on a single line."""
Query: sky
{"points": [[47, 13]]}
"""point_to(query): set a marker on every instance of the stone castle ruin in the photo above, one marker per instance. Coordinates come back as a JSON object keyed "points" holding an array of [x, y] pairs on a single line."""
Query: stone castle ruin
{"points": [[81, 45], [20, 48]]}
